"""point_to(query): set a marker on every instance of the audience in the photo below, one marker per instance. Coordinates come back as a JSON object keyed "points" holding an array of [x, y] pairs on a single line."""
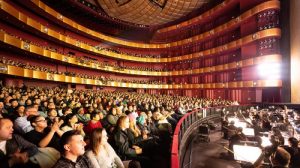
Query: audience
{"points": [[124, 118]]}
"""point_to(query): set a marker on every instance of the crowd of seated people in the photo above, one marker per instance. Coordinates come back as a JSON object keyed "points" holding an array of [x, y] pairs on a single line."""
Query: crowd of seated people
{"points": [[97, 47], [276, 131], [118, 129], [87, 60], [102, 78], [118, 51]]}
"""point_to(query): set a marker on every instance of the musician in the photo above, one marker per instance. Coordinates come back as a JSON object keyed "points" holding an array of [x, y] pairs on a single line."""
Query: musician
{"points": [[237, 138], [229, 130]]}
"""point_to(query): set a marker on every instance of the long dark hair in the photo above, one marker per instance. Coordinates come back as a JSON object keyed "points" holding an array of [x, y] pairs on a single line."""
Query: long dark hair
{"points": [[95, 139]]}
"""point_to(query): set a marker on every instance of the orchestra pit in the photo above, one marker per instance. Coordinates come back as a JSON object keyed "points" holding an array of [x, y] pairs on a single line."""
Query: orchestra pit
{"points": [[149, 84]]}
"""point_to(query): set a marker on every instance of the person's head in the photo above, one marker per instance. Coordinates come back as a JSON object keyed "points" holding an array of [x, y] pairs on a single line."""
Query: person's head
{"points": [[71, 143], [293, 142], [113, 111], [91, 109], [20, 110], [280, 158], [28, 102], [71, 119], [14, 103], [80, 111], [31, 110], [123, 122], [52, 113], [1, 105], [6, 129], [119, 111], [45, 104], [130, 108], [156, 115], [149, 114], [101, 115], [37, 122], [95, 116], [37, 101], [66, 111], [239, 130], [98, 137], [51, 105]]}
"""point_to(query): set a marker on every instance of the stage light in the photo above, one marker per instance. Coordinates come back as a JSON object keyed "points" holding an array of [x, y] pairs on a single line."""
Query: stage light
{"points": [[246, 153], [269, 70]]}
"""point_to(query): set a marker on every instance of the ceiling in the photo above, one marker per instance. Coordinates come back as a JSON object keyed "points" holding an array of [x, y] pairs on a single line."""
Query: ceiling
{"points": [[149, 12]]}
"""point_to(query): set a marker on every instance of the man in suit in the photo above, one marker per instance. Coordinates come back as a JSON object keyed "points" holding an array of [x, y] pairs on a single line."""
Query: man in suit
{"points": [[14, 150]]}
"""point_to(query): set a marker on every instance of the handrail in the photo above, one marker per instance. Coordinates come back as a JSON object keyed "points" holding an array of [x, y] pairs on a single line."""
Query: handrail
{"points": [[189, 119]]}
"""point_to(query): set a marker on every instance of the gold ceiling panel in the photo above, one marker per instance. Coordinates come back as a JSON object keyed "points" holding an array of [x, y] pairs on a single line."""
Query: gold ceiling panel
{"points": [[150, 12]]}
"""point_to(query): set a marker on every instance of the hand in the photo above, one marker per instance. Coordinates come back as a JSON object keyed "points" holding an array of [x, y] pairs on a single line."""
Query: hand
{"points": [[60, 122], [145, 136], [139, 151], [55, 127], [79, 127], [135, 147], [18, 158], [56, 119]]}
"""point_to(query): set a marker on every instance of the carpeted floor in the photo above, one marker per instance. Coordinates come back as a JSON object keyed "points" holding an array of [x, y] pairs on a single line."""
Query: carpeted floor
{"points": [[208, 155]]}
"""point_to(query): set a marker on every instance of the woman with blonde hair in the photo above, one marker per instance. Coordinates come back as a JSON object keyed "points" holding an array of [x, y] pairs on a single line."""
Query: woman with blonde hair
{"points": [[101, 154]]}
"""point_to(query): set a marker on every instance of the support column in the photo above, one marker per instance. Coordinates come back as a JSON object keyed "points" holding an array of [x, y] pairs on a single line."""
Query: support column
{"points": [[295, 50]]}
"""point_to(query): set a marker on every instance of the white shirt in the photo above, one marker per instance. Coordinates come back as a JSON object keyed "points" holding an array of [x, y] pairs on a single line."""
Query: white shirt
{"points": [[3, 147], [22, 125]]}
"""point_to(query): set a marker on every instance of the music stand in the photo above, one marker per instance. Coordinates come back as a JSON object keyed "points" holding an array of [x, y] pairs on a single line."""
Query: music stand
{"points": [[246, 153], [248, 132]]}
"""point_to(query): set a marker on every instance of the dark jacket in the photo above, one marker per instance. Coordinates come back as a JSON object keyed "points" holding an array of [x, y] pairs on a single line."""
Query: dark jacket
{"points": [[82, 162], [123, 144], [14, 144]]}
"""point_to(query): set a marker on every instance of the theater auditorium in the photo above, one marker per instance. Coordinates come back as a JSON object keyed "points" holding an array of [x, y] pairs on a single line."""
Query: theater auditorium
{"points": [[149, 84]]}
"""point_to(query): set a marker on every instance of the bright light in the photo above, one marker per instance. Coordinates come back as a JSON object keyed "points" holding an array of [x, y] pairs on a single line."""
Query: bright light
{"points": [[246, 153], [269, 70], [234, 119], [240, 124], [248, 131], [237, 122], [265, 141]]}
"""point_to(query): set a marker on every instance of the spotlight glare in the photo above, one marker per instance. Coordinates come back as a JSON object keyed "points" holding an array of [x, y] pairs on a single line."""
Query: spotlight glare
{"points": [[269, 70]]}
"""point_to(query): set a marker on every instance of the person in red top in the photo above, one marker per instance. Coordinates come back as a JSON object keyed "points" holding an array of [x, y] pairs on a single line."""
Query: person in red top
{"points": [[93, 123]]}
